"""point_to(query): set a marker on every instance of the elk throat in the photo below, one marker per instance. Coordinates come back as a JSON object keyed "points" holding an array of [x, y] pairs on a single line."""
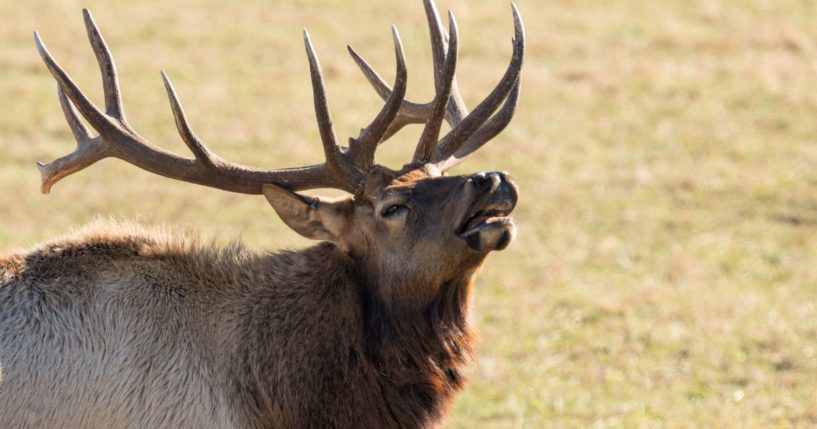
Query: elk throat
{"points": [[420, 351]]}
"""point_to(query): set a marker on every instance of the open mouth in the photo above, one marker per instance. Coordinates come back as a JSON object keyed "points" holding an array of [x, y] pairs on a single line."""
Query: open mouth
{"points": [[494, 213]]}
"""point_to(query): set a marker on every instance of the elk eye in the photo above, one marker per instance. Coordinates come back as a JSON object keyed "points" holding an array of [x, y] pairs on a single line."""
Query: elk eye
{"points": [[392, 210]]}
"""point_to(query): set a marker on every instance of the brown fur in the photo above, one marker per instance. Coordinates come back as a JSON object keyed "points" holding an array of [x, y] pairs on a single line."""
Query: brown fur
{"points": [[125, 327]]}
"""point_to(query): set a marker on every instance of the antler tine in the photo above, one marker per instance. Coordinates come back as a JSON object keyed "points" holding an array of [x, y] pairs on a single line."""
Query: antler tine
{"points": [[471, 124], [428, 140], [95, 117], [409, 113], [199, 149], [330, 148], [107, 68], [364, 147], [78, 129], [486, 132], [439, 46], [89, 150], [439, 40]]}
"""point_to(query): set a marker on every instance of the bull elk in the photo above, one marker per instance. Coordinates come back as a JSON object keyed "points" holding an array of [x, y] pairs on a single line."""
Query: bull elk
{"points": [[122, 327]]}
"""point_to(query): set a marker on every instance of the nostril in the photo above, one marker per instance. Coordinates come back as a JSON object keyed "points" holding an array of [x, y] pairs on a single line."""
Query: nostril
{"points": [[480, 180]]}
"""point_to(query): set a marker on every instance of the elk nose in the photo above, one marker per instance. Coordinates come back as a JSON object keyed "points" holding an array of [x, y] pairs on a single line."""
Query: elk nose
{"points": [[484, 181]]}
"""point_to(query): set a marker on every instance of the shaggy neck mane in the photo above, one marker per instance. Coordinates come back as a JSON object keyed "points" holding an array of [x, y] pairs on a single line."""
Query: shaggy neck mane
{"points": [[419, 351]]}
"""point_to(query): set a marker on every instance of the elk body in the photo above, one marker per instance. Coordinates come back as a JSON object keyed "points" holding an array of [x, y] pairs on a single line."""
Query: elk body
{"points": [[119, 326]]}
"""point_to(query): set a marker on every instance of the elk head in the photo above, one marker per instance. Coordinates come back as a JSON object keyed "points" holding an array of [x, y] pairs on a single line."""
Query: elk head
{"points": [[393, 220]]}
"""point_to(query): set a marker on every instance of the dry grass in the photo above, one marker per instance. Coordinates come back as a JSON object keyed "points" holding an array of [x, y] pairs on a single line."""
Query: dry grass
{"points": [[665, 272]]}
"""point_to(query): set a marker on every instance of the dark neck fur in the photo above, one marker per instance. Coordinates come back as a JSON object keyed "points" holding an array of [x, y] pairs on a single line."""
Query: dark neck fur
{"points": [[419, 352], [407, 359]]}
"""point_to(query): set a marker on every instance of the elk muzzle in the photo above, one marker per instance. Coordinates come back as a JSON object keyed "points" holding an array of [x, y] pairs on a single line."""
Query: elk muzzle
{"points": [[487, 226]]}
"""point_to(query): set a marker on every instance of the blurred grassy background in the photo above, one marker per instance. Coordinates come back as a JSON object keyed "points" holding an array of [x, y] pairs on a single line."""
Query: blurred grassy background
{"points": [[664, 274]]}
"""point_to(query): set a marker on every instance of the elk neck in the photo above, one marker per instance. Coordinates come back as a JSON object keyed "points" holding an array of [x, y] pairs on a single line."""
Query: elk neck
{"points": [[418, 343], [413, 351]]}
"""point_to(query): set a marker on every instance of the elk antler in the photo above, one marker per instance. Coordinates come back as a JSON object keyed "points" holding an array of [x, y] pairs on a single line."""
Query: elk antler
{"points": [[343, 169], [468, 131]]}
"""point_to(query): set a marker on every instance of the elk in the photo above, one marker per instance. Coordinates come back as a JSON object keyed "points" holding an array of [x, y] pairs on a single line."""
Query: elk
{"points": [[120, 326]]}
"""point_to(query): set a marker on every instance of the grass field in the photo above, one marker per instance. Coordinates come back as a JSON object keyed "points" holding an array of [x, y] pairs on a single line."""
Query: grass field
{"points": [[665, 273]]}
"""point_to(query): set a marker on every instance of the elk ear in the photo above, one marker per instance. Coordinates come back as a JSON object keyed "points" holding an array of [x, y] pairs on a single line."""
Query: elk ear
{"points": [[312, 217]]}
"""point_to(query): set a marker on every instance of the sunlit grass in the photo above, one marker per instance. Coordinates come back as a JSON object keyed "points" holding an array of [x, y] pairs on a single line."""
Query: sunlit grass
{"points": [[664, 274]]}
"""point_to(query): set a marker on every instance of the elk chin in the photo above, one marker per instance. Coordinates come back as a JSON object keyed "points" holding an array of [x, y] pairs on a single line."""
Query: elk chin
{"points": [[489, 234]]}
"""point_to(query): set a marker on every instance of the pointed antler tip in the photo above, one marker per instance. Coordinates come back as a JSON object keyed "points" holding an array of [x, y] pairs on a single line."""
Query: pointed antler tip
{"points": [[308, 43], [515, 9], [45, 182], [166, 80], [519, 27], [86, 15], [39, 42], [398, 45], [396, 36], [452, 27]]}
